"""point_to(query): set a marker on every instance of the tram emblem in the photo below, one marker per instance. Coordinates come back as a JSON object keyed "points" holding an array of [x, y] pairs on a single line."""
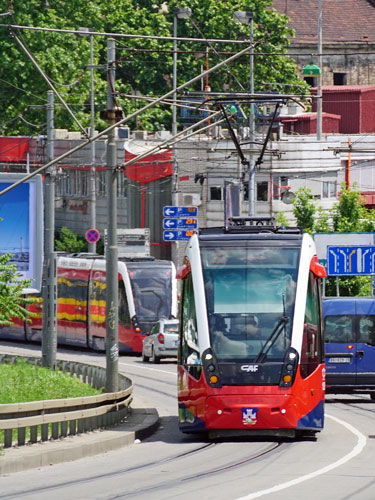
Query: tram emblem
{"points": [[250, 368], [249, 416]]}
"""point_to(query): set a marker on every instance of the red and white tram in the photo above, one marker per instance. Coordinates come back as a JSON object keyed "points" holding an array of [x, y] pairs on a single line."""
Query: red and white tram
{"points": [[251, 353], [147, 292]]}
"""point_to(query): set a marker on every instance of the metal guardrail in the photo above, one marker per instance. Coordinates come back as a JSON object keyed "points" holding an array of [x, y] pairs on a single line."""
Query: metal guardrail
{"points": [[59, 418]]}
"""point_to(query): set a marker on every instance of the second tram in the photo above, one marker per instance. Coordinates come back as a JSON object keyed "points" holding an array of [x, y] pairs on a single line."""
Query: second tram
{"points": [[251, 353], [147, 292]]}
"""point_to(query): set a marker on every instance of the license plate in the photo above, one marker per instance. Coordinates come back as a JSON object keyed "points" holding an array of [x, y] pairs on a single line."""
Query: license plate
{"points": [[339, 360]]}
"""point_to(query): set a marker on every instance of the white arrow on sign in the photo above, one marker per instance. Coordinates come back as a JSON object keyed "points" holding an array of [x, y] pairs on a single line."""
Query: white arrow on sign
{"points": [[168, 211], [169, 223], [169, 236]]}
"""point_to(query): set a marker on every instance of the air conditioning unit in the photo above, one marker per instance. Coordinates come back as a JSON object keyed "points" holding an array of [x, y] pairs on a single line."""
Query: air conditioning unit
{"points": [[140, 135], [123, 132], [192, 199]]}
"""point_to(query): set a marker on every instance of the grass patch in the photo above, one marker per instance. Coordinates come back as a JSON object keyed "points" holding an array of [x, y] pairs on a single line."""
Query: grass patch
{"points": [[21, 382]]}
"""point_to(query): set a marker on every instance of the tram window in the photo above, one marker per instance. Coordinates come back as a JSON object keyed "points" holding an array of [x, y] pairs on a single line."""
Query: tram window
{"points": [[123, 308], [311, 353], [98, 301], [189, 342], [72, 299]]}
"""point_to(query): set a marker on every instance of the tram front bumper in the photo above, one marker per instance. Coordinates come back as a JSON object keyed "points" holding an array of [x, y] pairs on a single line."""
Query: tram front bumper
{"points": [[251, 412]]}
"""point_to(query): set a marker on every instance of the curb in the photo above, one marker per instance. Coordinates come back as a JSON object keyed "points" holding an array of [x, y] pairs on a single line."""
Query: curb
{"points": [[141, 423]]}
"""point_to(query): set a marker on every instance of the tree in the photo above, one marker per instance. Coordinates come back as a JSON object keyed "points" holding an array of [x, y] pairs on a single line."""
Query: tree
{"points": [[304, 208], [69, 242], [144, 66], [12, 302], [347, 215]]}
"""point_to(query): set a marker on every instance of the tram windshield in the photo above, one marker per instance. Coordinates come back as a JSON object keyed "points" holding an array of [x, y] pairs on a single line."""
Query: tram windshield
{"points": [[152, 291], [249, 290]]}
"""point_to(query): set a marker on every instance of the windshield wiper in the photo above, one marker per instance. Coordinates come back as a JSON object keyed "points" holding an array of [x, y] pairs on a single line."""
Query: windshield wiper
{"points": [[272, 339], [275, 334]]}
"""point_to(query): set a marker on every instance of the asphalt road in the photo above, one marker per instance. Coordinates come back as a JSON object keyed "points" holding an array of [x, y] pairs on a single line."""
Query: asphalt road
{"points": [[339, 465]]}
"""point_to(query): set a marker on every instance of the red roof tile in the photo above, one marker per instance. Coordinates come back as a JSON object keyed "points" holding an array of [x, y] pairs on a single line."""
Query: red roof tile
{"points": [[343, 20]]}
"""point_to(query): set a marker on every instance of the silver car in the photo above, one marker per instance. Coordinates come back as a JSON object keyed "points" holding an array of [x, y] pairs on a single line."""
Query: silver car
{"points": [[161, 342]]}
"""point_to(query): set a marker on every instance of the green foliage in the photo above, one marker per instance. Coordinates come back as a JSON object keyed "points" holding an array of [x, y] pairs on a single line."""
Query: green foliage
{"points": [[143, 66], [347, 215], [22, 381], [12, 302], [282, 219], [304, 208], [70, 242]]}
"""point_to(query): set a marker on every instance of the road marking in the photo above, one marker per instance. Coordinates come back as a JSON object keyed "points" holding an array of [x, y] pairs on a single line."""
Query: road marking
{"points": [[147, 368], [361, 443]]}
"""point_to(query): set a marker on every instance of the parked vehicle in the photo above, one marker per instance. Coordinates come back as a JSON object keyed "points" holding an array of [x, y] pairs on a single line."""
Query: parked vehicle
{"points": [[161, 342], [350, 344]]}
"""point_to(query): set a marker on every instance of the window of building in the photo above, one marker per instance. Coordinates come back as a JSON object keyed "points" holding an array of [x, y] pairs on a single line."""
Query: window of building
{"points": [[216, 193], [262, 191], [329, 189], [278, 185], [310, 80], [339, 78]]}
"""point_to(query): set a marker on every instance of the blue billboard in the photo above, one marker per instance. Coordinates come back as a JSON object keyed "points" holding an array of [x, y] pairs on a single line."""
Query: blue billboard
{"points": [[21, 226]]}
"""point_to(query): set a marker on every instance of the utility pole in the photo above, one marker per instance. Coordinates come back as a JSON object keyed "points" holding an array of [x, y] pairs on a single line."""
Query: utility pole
{"points": [[49, 332], [251, 126], [111, 249]]}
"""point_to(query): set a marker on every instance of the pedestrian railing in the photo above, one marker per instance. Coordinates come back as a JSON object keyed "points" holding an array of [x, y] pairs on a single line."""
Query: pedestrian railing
{"points": [[27, 423]]}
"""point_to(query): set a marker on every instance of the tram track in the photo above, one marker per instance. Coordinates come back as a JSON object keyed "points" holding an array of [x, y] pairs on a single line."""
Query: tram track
{"points": [[154, 467]]}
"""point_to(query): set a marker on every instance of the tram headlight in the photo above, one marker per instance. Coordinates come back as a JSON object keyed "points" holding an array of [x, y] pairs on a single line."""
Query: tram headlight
{"points": [[211, 368], [289, 368]]}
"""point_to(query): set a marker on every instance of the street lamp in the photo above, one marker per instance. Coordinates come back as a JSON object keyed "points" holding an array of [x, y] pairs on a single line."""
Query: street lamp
{"points": [[316, 71], [248, 18], [177, 14], [183, 13]]}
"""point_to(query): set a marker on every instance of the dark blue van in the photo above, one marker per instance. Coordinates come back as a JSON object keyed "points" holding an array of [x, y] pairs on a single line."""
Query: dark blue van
{"points": [[349, 329]]}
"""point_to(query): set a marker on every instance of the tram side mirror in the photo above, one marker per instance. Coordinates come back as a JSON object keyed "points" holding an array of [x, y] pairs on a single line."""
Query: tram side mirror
{"points": [[183, 271], [317, 269]]}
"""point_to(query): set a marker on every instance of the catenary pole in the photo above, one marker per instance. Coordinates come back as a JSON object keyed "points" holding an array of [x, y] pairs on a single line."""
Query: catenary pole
{"points": [[49, 293], [111, 247]]}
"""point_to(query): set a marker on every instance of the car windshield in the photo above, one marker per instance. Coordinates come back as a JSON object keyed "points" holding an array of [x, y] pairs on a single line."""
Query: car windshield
{"points": [[248, 290]]}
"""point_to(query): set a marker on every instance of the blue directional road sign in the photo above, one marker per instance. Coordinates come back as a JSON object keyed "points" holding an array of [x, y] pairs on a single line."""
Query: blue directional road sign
{"points": [[190, 223], [180, 211], [351, 260], [174, 235]]}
